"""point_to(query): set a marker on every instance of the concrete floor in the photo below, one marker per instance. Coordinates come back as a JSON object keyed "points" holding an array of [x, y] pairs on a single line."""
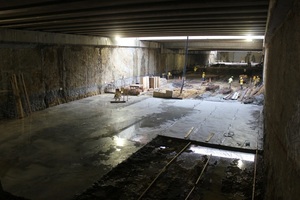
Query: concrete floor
{"points": [[61, 151]]}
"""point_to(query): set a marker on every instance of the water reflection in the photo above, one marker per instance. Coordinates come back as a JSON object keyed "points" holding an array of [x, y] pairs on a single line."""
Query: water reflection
{"points": [[119, 142], [241, 164], [223, 153]]}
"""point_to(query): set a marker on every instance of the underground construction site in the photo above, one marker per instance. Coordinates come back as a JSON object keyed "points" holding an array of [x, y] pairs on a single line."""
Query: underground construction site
{"points": [[153, 99]]}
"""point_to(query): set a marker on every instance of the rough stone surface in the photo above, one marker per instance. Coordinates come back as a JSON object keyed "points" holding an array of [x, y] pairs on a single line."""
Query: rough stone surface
{"points": [[56, 74], [172, 60], [282, 108]]}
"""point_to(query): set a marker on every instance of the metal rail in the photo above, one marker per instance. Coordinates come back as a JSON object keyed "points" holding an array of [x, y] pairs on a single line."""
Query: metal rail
{"points": [[254, 178], [163, 170], [196, 183], [188, 133]]}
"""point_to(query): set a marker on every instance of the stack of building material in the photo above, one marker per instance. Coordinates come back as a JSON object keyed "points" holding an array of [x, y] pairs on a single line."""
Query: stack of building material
{"points": [[110, 88], [235, 96], [168, 94], [261, 90], [157, 78], [227, 97], [135, 89], [154, 82], [212, 88], [244, 94], [226, 91], [257, 89], [21, 96], [145, 82]]}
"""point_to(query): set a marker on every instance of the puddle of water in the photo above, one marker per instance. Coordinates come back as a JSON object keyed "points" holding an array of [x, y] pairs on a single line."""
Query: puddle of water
{"points": [[129, 132], [119, 142]]}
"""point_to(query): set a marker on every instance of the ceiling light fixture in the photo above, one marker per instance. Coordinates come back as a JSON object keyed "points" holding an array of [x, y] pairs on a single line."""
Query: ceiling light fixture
{"points": [[258, 37]]}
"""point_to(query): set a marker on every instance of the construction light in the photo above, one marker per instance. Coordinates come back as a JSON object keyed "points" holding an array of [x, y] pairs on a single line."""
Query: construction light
{"points": [[247, 37]]}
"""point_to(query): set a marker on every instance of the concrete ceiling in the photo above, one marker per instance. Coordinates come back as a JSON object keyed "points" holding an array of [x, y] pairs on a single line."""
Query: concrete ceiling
{"points": [[137, 18]]}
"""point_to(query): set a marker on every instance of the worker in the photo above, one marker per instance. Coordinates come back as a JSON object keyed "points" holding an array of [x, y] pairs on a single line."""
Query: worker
{"points": [[230, 81], [118, 95], [169, 75], [203, 76], [241, 82], [195, 69], [254, 80], [257, 81]]}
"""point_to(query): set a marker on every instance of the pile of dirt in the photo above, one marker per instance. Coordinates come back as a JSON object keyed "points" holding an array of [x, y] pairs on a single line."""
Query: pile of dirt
{"points": [[212, 88]]}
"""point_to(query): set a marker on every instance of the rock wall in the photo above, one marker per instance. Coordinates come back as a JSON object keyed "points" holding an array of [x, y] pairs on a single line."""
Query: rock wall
{"points": [[282, 110], [172, 60], [56, 74]]}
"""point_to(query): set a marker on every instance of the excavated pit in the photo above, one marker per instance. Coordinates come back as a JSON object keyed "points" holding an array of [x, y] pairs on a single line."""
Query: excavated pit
{"points": [[229, 174]]}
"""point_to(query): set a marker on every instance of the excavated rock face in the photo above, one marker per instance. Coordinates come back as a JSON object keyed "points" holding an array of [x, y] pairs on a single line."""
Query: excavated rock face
{"points": [[55, 74]]}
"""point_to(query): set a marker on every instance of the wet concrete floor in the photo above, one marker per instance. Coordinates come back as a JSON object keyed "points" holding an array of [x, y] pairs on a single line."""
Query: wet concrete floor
{"points": [[171, 168], [61, 151]]}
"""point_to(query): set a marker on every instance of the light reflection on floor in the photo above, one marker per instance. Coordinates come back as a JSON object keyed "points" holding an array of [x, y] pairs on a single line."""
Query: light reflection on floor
{"points": [[223, 153]]}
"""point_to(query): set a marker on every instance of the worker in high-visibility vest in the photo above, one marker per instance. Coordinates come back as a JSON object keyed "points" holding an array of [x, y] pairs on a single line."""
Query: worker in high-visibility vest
{"points": [[241, 82], [257, 81], [195, 69], [254, 80], [203, 76], [230, 81], [169, 75], [118, 95]]}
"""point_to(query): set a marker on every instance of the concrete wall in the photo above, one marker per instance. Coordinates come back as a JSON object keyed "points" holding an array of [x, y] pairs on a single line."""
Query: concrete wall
{"points": [[240, 56], [172, 60], [282, 109], [56, 74], [199, 58]]}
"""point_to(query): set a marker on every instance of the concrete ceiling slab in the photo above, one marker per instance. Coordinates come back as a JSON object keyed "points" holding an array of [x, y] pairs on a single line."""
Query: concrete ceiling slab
{"points": [[136, 18]]}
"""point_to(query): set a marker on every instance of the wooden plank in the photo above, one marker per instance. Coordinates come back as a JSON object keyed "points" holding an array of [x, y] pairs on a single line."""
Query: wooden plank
{"points": [[244, 94], [254, 177], [227, 96], [164, 169], [235, 96], [118, 102], [261, 90], [26, 94], [16, 92], [188, 133], [209, 137], [199, 177], [256, 90], [19, 101]]}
